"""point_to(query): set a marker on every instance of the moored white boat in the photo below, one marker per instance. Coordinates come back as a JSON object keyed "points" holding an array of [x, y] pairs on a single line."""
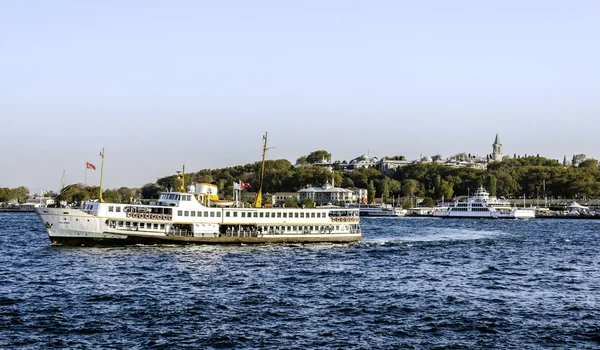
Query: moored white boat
{"points": [[379, 210], [482, 205]]}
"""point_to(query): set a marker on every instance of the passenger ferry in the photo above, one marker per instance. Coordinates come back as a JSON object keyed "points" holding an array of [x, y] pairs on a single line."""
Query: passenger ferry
{"points": [[482, 205], [380, 210], [187, 217]]}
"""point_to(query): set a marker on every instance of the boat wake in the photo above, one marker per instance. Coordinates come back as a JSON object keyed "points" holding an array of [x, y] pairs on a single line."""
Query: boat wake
{"points": [[443, 234]]}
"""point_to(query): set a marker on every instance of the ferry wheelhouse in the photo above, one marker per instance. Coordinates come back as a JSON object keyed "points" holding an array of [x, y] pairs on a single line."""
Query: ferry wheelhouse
{"points": [[482, 205]]}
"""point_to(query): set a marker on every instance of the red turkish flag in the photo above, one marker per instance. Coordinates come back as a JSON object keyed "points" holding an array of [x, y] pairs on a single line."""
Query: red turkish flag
{"points": [[90, 166]]}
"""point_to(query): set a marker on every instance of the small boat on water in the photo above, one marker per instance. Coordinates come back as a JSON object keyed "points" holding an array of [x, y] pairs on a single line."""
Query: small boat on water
{"points": [[188, 217], [484, 206], [380, 210]]}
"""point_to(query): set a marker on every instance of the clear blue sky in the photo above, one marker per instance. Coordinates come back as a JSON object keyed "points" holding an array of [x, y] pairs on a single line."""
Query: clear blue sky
{"points": [[160, 83]]}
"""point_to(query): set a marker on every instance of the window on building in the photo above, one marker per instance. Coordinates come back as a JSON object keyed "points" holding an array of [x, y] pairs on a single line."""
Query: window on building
{"points": [[111, 208], [227, 214], [187, 213]]}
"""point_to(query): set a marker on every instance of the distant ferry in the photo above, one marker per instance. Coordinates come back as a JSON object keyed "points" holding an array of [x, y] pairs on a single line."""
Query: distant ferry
{"points": [[380, 210], [187, 217], [482, 205]]}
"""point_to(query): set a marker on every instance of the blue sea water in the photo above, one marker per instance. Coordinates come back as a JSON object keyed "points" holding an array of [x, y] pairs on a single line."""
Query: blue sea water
{"points": [[411, 283]]}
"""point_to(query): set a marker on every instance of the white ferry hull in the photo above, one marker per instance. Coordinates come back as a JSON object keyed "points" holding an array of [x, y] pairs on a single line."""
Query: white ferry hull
{"points": [[517, 214]]}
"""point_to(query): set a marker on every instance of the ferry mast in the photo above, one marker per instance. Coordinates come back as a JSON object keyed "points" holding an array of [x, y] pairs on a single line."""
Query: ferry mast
{"points": [[258, 200], [101, 173]]}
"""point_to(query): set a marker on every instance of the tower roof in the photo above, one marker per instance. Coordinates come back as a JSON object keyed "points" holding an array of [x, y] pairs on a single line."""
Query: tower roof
{"points": [[497, 141]]}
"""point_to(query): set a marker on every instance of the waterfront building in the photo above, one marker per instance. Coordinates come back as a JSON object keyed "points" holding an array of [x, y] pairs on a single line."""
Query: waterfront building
{"points": [[280, 197], [363, 161], [359, 195], [326, 194]]}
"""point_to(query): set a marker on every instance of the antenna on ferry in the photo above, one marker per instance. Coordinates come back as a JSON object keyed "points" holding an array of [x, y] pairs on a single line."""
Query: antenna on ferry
{"points": [[258, 200], [101, 173]]}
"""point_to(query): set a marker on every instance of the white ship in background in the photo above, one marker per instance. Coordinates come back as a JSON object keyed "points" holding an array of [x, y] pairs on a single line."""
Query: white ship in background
{"points": [[482, 205], [380, 210], [187, 217]]}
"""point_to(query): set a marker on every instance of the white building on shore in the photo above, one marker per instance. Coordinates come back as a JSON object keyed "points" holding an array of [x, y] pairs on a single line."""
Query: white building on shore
{"points": [[327, 194]]}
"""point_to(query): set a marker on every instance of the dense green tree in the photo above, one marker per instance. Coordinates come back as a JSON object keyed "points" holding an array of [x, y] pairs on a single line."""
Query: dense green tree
{"points": [[394, 186], [409, 187], [427, 202], [318, 156], [384, 190], [589, 163], [492, 185], [371, 192], [308, 203], [291, 202], [395, 158], [21, 194], [301, 161], [150, 191]]}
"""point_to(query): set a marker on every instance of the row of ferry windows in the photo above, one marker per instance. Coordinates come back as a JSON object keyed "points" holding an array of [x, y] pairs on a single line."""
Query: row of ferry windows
{"points": [[472, 209], [250, 214], [199, 213], [274, 215], [142, 225], [302, 228]]}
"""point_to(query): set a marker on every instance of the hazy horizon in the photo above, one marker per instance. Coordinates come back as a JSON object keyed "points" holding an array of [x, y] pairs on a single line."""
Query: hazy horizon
{"points": [[159, 84]]}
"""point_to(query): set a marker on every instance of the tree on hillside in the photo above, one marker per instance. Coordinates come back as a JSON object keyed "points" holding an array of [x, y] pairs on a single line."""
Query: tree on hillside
{"points": [[395, 158], [409, 187], [21, 193], [371, 192], [589, 163], [308, 203], [301, 161], [291, 202], [150, 191], [384, 190], [318, 156], [492, 185], [577, 158]]}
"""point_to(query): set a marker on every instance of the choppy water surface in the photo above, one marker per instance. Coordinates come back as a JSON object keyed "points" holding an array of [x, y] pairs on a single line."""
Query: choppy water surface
{"points": [[411, 283]]}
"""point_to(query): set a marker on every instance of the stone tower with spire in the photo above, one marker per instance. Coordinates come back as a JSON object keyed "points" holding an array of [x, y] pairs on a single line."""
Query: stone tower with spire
{"points": [[497, 153]]}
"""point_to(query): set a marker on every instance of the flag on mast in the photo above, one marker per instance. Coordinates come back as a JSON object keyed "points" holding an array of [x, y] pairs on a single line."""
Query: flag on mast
{"points": [[90, 166]]}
